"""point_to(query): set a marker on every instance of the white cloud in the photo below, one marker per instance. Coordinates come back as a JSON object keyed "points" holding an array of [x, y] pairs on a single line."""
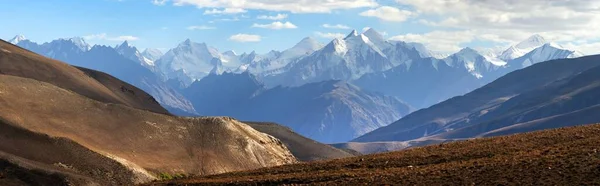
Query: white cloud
{"points": [[159, 2], [443, 41], [225, 20], [276, 17], [124, 38], [388, 13], [294, 6], [510, 20], [200, 27], [587, 48], [245, 38], [104, 36], [276, 25], [95, 36], [337, 26], [329, 35], [224, 11]]}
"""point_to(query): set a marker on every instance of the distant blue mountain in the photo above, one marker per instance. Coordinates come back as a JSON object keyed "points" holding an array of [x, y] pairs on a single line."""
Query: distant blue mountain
{"points": [[329, 111]]}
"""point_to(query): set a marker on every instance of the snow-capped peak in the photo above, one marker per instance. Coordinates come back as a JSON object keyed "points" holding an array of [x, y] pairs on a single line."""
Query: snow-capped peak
{"points": [[15, 40], [546, 52], [523, 47], [132, 53], [152, 54], [337, 46], [230, 53], [124, 44], [555, 45], [533, 41], [467, 51], [79, 42], [187, 42], [354, 33], [377, 39], [308, 43], [373, 35]]}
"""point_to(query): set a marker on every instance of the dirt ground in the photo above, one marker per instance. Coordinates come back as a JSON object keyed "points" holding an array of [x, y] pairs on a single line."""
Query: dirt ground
{"points": [[567, 156]]}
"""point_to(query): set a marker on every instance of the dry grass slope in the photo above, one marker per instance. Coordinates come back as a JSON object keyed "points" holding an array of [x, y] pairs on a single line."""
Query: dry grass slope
{"points": [[567, 156], [152, 141]]}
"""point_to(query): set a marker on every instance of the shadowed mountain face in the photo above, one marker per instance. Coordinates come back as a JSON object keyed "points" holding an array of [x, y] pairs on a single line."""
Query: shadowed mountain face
{"points": [[425, 82], [546, 95], [329, 112], [75, 123]]}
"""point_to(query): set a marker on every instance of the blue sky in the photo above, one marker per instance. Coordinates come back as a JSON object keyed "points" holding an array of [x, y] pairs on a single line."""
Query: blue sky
{"points": [[441, 25]]}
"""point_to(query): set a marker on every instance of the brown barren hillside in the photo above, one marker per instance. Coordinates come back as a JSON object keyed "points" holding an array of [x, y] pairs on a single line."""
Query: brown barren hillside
{"points": [[148, 143], [19, 62], [28, 158], [567, 156], [303, 148], [62, 124]]}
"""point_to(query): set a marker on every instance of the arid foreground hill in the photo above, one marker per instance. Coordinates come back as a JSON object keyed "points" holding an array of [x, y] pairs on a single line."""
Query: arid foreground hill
{"points": [[60, 124], [567, 156]]}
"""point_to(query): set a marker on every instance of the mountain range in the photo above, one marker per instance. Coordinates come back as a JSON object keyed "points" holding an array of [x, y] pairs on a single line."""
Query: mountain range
{"points": [[418, 82], [552, 94], [346, 81], [370, 61]]}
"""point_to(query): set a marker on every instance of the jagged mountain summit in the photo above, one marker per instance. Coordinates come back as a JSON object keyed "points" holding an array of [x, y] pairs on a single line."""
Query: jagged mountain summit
{"points": [[80, 43], [400, 80], [341, 59], [523, 47], [17, 39], [61, 49], [152, 54], [475, 63], [195, 60], [546, 52], [132, 53], [275, 60]]}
